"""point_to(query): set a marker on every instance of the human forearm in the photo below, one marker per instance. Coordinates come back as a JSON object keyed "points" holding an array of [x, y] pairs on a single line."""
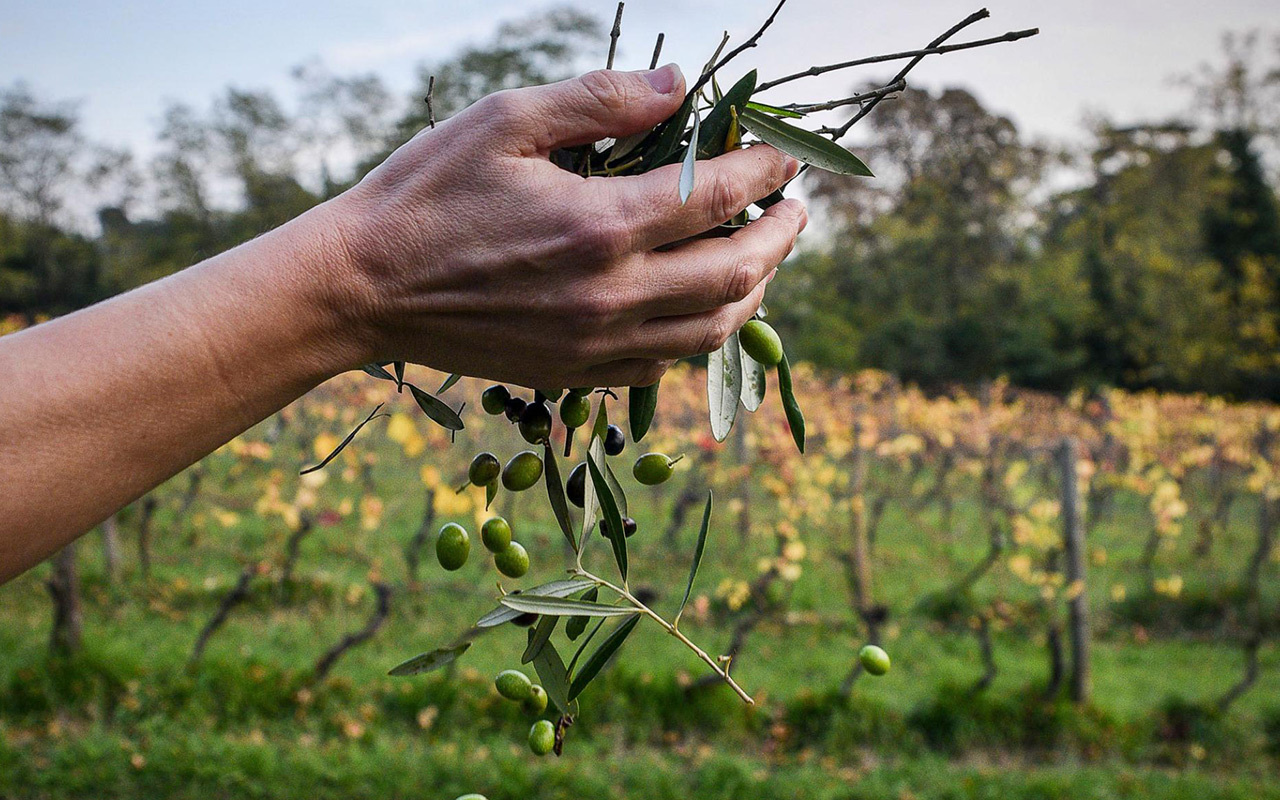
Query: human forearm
{"points": [[106, 403]]}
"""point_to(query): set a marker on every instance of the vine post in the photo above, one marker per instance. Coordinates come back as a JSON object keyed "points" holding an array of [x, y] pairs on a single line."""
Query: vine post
{"points": [[1073, 545]]}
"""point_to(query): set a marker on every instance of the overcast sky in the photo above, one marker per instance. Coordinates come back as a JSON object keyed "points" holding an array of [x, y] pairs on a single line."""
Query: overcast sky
{"points": [[123, 59]]}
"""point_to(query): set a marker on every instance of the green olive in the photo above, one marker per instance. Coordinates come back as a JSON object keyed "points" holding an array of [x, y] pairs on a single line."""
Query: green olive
{"points": [[537, 702], [473, 796], [548, 395], [761, 342], [535, 423], [581, 391], [453, 546], [874, 659], [522, 471], [495, 533], [542, 737], [652, 469], [514, 685], [494, 399], [512, 561], [484, 470], [575, 410]]}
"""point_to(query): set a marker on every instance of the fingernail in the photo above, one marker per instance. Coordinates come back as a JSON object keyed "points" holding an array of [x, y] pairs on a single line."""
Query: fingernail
{"points": [[772, 275], [793, 167], [663, 79]]}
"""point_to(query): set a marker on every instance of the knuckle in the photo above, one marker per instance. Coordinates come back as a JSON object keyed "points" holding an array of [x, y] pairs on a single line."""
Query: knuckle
{"points": [[601, 236], [739, 281], [500, 109], [607, 88], [715, 333], [725, 197], [646, 373]]}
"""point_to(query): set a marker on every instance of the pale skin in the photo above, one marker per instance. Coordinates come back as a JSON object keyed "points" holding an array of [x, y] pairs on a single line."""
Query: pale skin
{"points": [[466, 251]]}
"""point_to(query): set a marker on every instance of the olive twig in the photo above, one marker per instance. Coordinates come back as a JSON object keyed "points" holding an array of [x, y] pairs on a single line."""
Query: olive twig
{"points": [[671, 629]]}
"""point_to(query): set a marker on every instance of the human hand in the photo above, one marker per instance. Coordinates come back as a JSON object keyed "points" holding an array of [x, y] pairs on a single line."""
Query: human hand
{"points": [[470, 252]]}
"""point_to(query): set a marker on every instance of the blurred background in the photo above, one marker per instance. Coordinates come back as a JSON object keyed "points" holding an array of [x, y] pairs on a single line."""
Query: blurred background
{"points": [[1040, 355]]}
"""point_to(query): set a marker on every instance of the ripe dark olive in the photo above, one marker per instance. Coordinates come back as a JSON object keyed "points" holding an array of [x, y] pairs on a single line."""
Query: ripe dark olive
{"points": [[494, 400], [628, 527], [525, 620], [652, 469], [514, 408], [535, 423], [874, 659], [614, 440], [575, 410], [581, 391], [512, 561], [761, 342], [542, 737], [484, 470], [522, 471], [514, 685], [495, 534], [452, 546], [537, 702], [576, 487]]}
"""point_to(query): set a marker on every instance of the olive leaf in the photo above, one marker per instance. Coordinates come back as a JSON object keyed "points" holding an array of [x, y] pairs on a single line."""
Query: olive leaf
{"points": [[691, 156], [555, 493], [771, 199], [430, 661], [436, 409], [795, 417], [490, 492], [555, 678], [343, 444], [575, 626], [399, 368], [449, 382], [563, 607], [643, 402], [697, 555], [615, 488], [715, 128], [377, 371], [804, 145], [754, 383], [601, 655], [612, 518], [765, 108], [539, 635], [595, 449], [724, 385], [560, 588], [667, 144]]}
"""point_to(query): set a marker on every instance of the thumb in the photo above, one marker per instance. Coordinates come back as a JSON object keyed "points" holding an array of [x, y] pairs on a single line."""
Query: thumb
{"points": [[600, 104]]}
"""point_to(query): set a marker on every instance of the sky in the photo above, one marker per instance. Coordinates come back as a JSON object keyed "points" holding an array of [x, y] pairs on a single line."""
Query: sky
{"points": [[123, 60]]}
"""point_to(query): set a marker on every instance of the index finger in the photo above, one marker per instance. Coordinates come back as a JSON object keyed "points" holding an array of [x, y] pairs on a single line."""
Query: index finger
{"points": [[723, 187]]}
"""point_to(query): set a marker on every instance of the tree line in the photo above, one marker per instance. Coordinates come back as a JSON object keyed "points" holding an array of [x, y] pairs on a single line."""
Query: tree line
{"points": [[1147, 255]]}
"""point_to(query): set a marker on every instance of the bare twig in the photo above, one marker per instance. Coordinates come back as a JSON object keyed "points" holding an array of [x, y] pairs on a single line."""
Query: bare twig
{"points": [[431, 91], [613, 36], [861, 97], [380, 612], [1011, 36], [238, 594], [748, 44], [657, 51]]}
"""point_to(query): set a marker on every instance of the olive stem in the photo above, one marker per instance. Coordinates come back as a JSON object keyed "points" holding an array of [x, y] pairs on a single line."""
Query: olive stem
{"points": [[673, 630]]}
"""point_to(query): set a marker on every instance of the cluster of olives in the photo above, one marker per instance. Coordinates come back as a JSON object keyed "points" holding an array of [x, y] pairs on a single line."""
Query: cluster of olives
{"points": [[453, 547], [516, 687]]}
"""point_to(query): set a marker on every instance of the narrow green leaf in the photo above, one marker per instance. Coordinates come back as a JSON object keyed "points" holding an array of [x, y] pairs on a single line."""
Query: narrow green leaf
{"points": [[715, 128], [562, 588], [490, 492], [449, 382], [697, 554], [399, 368], [583, 646], [436, 409], [615, 488], [343, 444], [724, 386], [575, 626], [539, 635], [612, 518], [595, 449], [690, 156], [765, 108], [430, 661], [804, 145], [563, 607], [795, 417], [754, 382], [771, 199], [601, 655], [555, 678], [643, 402], [377, 371], [555, 493], [668, 144]]}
